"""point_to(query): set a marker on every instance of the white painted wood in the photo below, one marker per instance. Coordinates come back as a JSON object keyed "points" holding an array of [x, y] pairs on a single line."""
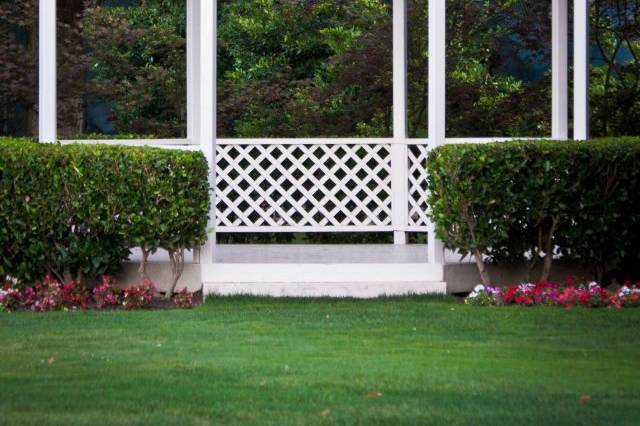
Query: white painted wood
{"points": [[363, 141], [301, 141], [560, 69], [206, 87], [266, 228], [485, 140], [436, 247], [399, 163], [328, 253], [417, 186], [307, 141], [130, 142], [367, 277], [337, 290], [299, 273], [321, 253], [315, 228], [478, 140], [437, 108], [303, 185], [581, 45], [193, 70], [312, 253], [47, 72]]}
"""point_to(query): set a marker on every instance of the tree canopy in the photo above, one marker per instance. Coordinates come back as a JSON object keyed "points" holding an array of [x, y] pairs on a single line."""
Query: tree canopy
{"points": [[289, 68]]}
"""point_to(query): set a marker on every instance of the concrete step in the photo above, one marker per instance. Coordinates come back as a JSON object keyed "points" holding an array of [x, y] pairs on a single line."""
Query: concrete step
{"points": [[359, 290], [359, 280]]}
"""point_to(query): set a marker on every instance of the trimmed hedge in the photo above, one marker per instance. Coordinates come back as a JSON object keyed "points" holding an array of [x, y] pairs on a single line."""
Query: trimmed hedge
{"points": [[520, 200], [79, 209]]}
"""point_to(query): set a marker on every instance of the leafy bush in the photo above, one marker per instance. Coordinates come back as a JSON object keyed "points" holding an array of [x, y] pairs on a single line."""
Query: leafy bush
{"points": [[10, 295], [590, 295], [138, 296], [107, 295], [81, 208], [43, 296], [533, 200], [49, 294], [183, 299], [74, 295]]}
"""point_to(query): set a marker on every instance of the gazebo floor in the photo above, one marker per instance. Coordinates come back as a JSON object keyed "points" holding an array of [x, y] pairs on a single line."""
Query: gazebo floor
{"points": [[322, 270], [321, 253]]}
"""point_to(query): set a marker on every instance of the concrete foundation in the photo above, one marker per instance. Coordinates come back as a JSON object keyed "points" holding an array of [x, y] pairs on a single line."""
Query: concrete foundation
{"points": [[459, 277]]}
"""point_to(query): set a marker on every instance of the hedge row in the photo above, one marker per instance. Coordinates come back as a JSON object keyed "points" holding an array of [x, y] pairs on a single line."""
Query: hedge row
{"points": [[522, 200], [79, 209]]}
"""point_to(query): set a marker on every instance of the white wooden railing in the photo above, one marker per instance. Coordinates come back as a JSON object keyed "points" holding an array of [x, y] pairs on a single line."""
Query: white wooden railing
{"points": [[315, 185]]}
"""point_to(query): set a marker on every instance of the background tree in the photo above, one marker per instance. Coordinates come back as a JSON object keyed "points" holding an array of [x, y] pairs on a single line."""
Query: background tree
{"points": [[18, 74], [295, 69], [315, 68], [615, 76], [138, 64]]}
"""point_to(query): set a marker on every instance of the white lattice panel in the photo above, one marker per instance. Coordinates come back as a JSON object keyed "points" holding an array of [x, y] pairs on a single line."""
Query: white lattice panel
{"points": [[316, 185], [418, 185]]}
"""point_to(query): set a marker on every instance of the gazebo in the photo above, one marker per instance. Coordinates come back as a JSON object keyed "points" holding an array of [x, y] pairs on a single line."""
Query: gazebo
{"points": [[327, 185]]}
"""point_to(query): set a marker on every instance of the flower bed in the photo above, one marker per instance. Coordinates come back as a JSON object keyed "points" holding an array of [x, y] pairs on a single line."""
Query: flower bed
{"points": [[51, 295], [568, 294]]}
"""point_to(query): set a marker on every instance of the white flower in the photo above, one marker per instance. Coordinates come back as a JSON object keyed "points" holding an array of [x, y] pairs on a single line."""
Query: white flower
{"points": [[525, 287], [478, 288]]}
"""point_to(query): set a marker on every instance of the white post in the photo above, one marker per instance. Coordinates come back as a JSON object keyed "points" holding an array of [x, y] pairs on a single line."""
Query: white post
{"points": [[560, 69], [581, 69], [437, 110], [193, 81], [399, 166], [47, 85], [206, 110], [193, 51]]}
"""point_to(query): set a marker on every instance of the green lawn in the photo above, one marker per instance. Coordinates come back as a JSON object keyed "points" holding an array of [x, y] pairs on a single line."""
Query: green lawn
{"points": [[395, 361]]}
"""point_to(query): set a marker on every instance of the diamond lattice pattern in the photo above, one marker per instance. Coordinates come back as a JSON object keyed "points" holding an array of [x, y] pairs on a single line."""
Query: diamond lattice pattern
{"points": [[418, 185], [303, 185]]}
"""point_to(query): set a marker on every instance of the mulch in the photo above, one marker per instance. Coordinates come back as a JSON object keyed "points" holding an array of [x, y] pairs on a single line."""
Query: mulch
{"points": [[160, 303]]}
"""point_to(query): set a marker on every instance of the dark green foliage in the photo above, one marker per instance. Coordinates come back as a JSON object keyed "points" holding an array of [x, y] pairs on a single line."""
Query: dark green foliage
{"points": [[508, 200], [81, 208]]}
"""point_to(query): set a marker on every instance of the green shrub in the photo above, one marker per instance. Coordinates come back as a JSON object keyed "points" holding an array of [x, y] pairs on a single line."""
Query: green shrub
{"points": [[536, 199], [81, 208]]}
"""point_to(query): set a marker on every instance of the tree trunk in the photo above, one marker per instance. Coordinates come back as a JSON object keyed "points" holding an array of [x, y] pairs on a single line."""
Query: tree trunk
{"points": [[548, 249], [546, 268], [482, 268], [177, 267], [600, 268], [142, 269]]}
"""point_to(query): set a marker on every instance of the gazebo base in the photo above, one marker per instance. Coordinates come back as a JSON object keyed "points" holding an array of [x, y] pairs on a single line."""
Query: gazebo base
{"points": [[359, 290], [360, 271]]}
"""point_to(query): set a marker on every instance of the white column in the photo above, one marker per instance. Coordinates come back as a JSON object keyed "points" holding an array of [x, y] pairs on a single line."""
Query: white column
{"points": [[193, 70], [206, 87], [193, 80], [437, 97], [581, 69], [399, 183], [47, 86], [560, 69]]}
